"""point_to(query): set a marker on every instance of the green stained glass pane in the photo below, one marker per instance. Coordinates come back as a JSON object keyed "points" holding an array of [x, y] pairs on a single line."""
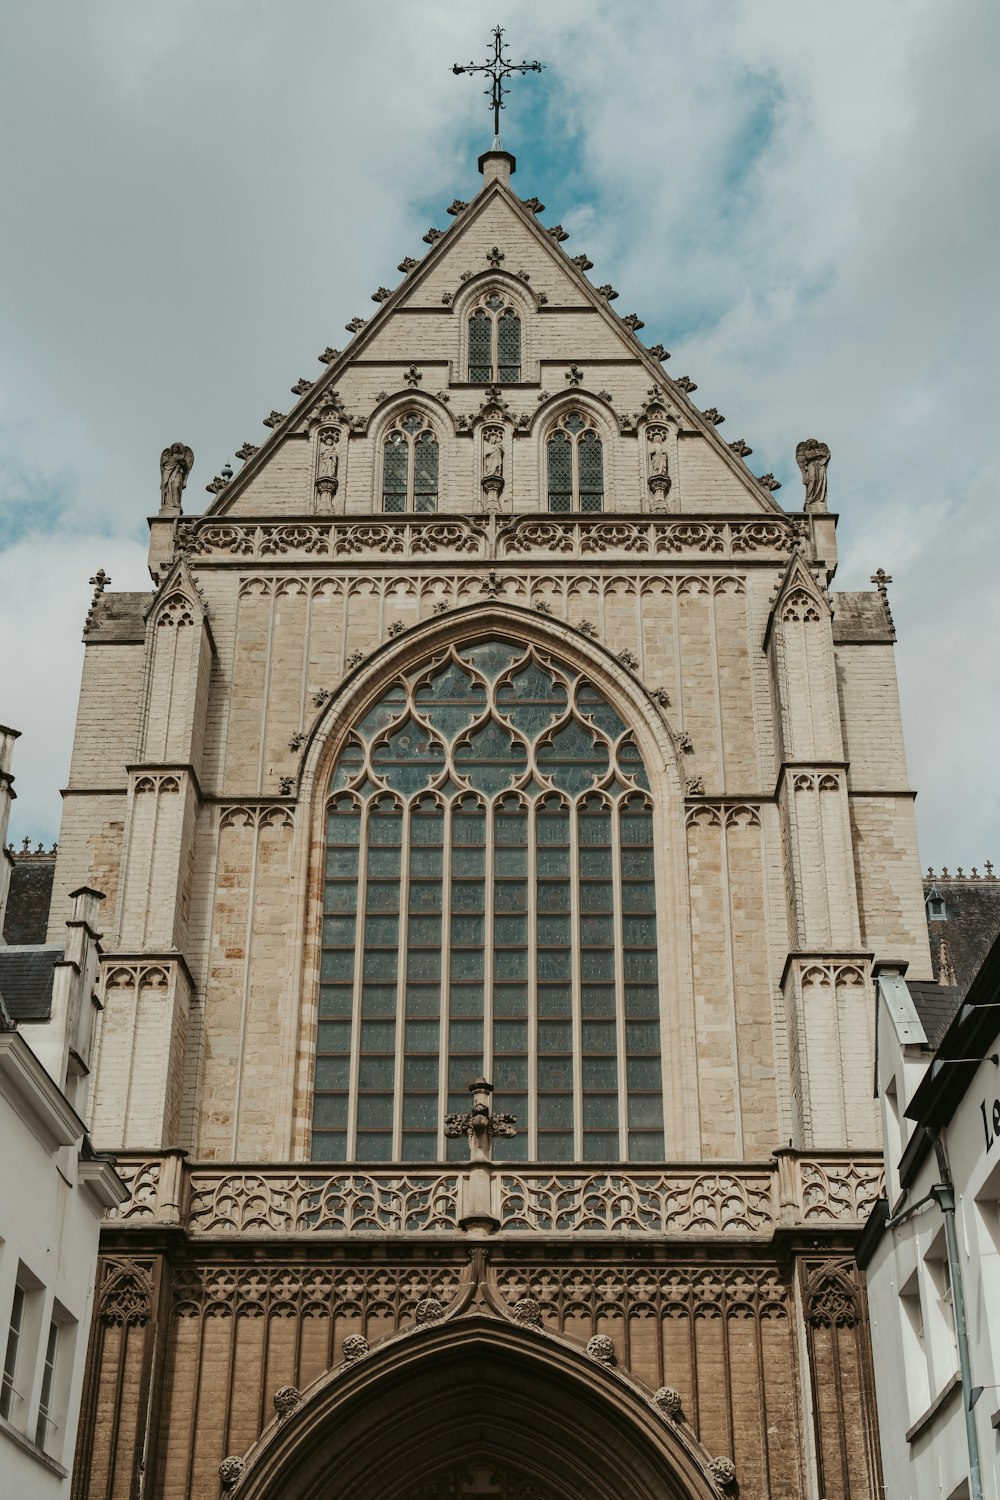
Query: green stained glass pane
{"points": [[419, 1147], [646, 1111], [426, 862], [338, 932], [394, 504], [420, 1072], [466, 999], [333, 1036], [467, 964], [555, 1073], [597, 964], [424, 932], [510, 1000], [420, 1111], [645, 1146], [342, 862], [636, 829], [509, 347], [573, 758], [641, 1000], [340, 896], [465, 1036], [490, 758], [491, 657], [425, 471], [337, 964], [555, 1036], [348, 766], [598, 1000], [461, 1072], [553, 1147], [595, 828], [332, 1073], [422, 1036], [644, 1075], [423, 999], [468, 932], [595, 864], [468, 896], [600, 1074], [451, 700], [507, 862], [552, 828], [642, 1037], [640, 967], [555, 1112], [423, 964], [427, 828], [412, 423], [510, 963], [574, 422], [468, 862], [555, 1000], [394, 466], [554, 931], [559, 451], [531, 699], [329, 1146], [385, 827], [553, 965], [510, 932], [425, 896], [330, 1112], [408, 758], [600, 1111], [336, 1001], [373, 1147], [639, 932], [383, 861], [378, 1036], [343, 828], [631, 765], [638, 897], [599, 1036], [637, 864], [375, 1072], [388, 708], [600, 1147], [596, 932], [378, 1000], [593, 707], [590, 458], [380, 964], [513, 1148], [553, 896], [510, 1073], [480, 348], [511, 832], [381, 932]]}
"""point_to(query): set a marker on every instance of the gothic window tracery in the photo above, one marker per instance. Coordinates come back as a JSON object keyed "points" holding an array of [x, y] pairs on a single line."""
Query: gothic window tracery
{"points": [[494, 340], [489, 906], [574, 457], [410, 465]]}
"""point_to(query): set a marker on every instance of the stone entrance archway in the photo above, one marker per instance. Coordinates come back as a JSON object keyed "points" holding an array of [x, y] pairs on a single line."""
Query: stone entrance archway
{"points": [[477, 1409]]}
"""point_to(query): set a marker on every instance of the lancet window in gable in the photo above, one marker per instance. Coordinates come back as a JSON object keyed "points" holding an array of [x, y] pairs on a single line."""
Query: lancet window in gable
{"points": [[494, 329], [489, 906], [410, 465], [574, 462]]}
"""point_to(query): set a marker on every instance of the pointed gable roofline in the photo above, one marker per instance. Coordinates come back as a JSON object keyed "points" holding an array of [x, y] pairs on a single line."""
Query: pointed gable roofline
{"points": [[797, 581], [442, 244]]}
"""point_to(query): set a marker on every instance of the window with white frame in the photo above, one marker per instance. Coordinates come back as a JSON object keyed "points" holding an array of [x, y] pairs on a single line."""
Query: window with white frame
{"points": [[494, 330], [9, 1394], [410, 465], [44, 1418], [574, 459], [489, 906]]}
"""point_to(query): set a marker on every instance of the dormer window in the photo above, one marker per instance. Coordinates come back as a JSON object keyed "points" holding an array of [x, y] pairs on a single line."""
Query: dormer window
{"points": [[575, 462], [410, 466], [494, 341], [934, 901]]}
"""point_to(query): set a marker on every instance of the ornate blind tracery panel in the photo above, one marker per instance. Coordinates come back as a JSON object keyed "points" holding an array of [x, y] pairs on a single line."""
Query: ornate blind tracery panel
{"points": [[575, 458], [494, 341], [410, 456], [490, 906]]}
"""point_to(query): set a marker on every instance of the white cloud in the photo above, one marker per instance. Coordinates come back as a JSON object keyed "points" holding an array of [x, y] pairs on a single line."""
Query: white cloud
{"points": [[799, 199]]}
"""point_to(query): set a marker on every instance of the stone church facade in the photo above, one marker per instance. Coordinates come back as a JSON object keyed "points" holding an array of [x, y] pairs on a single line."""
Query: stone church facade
{"points": [[493, 720]]}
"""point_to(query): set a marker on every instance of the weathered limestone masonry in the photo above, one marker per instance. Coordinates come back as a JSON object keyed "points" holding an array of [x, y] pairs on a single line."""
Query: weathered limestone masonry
{"points": [[764, 707]]}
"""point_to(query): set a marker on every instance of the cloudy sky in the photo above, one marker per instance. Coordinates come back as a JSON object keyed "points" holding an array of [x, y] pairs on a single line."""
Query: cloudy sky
{"points": [[800, 199]]}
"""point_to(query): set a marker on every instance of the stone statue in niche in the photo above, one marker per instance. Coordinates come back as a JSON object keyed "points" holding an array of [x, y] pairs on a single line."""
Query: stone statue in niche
{"points": [[658, 476], [175, 466], [327, 467], [492, 481], [812, 457]]}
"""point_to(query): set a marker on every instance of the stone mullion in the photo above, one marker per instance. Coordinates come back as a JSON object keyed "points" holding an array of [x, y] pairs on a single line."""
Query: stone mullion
{"points": [[614, 818], [574, 903], [678, 640], [266, 695], [359, 959], [530, 813], [444, 1013], [245, 997], [488, 916], [734, 1040], [403, 962], [716, 685]]}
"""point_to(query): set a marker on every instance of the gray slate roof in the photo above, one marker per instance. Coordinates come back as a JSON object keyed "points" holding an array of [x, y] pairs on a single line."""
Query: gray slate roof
{"points": [[936, 1005], [26, 981], [27, 916]]}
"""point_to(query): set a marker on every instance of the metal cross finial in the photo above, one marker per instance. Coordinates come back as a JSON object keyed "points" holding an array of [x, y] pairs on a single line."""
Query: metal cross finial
{"points": [[498, 67]]}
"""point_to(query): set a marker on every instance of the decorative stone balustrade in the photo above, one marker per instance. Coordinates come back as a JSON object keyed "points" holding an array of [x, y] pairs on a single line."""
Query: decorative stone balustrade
{"points": [[695, 1200]]}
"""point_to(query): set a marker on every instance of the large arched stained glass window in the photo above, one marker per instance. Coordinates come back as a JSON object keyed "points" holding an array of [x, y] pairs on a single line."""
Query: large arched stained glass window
{"points": [[489, 906]]}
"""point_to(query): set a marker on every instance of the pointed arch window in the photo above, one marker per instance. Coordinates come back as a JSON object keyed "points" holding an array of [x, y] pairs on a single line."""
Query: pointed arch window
{"points": [[574, 457], [489, 905], [410, 465], [494, 341]]}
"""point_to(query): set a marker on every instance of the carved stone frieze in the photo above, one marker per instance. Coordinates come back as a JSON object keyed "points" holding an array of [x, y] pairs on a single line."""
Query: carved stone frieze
{"points": [[637, 1202], [264, 1290], [292, 1202], [620, 1293]]}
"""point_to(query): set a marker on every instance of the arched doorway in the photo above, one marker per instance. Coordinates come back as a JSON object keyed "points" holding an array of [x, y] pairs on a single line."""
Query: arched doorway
{"points": [[476, 1409]]}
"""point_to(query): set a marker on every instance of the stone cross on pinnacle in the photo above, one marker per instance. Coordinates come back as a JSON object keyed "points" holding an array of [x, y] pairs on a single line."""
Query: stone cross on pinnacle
{"points": [[497, 68]]}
